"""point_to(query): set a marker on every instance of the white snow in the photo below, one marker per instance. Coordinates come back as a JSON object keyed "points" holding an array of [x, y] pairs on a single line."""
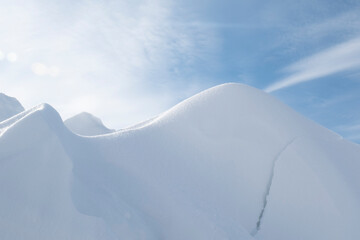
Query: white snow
{"points": [[9, 107], [87, 124], [229, 163]]}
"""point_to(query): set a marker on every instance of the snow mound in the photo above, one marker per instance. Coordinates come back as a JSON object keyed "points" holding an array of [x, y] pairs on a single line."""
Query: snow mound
{"points": [[35, 181], [87, 125], [9, 107], [229, 163]]}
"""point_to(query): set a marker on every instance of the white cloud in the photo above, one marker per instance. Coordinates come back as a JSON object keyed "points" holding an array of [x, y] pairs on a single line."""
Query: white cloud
{"points": [[342, 57]]}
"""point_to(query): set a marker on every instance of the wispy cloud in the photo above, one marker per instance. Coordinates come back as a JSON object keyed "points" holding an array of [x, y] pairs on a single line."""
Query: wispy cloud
{"points": [[133, 53], [355, 138], [342, 57], [338, 26], [349, 128], [351, 131]]}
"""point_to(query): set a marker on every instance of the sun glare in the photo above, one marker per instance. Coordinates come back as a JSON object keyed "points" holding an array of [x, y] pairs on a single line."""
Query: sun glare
{"points": [[12, 57], [2, 55], [41, 69]]}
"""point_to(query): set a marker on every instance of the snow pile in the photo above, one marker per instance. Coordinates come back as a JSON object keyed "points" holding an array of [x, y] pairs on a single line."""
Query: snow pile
{"points": [[229, 163], [9, 107], [87, 125]]}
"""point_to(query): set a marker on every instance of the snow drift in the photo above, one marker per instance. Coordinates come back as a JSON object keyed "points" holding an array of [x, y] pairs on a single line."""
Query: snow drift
{"points": [[86, 124], [229, 163]]}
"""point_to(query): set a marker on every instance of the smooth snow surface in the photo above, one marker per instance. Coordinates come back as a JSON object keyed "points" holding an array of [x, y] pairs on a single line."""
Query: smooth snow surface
{"points": [[229, 163], [9, 107], [87, 125]]}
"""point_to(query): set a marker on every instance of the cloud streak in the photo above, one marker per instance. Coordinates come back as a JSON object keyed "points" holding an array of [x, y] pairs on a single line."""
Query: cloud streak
{"points": [[351, 132], [339, 58]]}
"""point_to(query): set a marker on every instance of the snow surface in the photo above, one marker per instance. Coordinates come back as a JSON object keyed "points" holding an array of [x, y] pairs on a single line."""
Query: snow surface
{"points": [[229, 163], [86, 124], [9, 107]]}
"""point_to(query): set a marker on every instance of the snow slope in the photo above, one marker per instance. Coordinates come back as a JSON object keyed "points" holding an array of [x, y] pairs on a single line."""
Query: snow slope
{"points": [[87, 125], [229, 163], [9, 107]]}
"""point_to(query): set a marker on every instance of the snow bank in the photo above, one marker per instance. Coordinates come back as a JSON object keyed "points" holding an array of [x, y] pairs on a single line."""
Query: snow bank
{"points": [[229, 163]]}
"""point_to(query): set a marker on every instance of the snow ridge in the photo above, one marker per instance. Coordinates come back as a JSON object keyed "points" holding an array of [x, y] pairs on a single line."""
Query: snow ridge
{"points": [[86, 124], [268, 188], [9, 107]]}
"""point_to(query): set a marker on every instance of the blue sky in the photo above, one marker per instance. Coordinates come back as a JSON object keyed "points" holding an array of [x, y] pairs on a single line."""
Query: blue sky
{"points": [[126, 61]]}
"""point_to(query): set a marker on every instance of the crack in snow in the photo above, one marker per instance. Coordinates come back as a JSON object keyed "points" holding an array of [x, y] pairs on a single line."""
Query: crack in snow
{"points": [[258, 224]]}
